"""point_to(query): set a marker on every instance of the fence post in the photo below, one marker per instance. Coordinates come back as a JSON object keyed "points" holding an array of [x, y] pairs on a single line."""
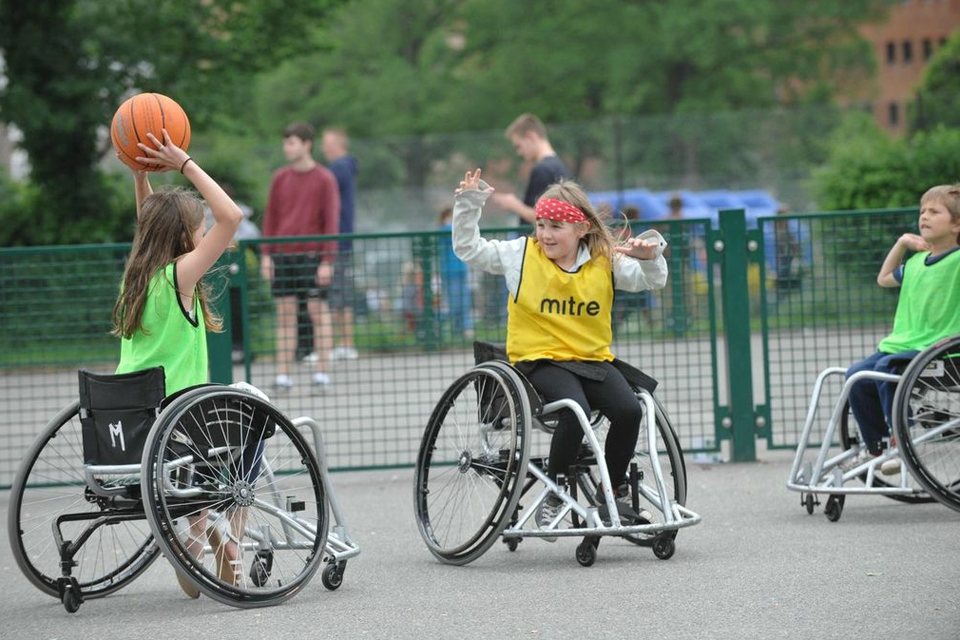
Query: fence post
{"points": [[735, 296], [425, 250], [219, 345]]}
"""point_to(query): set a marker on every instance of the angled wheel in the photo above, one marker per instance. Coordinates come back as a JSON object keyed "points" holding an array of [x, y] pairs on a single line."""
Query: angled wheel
{"points": [[235, 497], [926, 417], [472, 462], [672, 466], [49, 484], [849, 437]]}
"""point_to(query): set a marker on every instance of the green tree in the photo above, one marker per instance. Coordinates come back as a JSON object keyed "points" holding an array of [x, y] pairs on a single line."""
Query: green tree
{"points": [[69, 63], [939, 91], [418, 67]]}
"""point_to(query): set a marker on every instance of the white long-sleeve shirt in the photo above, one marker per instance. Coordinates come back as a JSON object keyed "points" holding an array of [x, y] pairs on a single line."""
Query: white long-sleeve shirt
{"points": [[505, 257]]}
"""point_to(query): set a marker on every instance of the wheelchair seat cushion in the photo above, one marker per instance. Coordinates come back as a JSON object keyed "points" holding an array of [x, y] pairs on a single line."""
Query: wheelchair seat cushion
{"points": [[116, 413]]}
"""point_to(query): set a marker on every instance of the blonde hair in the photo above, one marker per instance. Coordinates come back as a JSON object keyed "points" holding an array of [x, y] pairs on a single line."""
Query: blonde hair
{"points": [[949, 196], [165, 227], [599, 238], [524, 124]]}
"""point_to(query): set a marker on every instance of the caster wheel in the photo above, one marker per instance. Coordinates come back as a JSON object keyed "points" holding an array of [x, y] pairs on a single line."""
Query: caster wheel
{"points": [[664, 548], [512, 543], [586, 553], [332, 576], [834, 507], [71, 598], [261, 567], [807, 502]]}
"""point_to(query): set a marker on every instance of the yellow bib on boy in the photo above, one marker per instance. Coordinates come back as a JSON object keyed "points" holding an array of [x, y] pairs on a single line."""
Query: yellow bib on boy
{"points": [[557, 315]]}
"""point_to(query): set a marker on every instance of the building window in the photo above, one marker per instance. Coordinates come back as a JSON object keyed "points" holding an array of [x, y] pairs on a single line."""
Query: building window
{"points": [[907, 51], [891, 53], [927, 48], [893, 114]]}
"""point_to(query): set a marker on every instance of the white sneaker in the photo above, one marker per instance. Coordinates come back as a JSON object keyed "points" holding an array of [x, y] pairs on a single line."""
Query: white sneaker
{"points": [[863, 456], [320, 379], [336, 354], [310, 358], [350, 353], [283, 383], [547, 512], [891, 467]]}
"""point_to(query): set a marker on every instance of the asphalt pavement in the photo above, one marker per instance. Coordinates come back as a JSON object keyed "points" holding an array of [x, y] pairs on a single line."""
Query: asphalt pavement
{"points": [[756, 567]]}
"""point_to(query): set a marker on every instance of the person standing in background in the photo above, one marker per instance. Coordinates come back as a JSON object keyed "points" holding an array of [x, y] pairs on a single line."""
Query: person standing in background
{"points": [[529, 138], [335, 146], [303, 200]]}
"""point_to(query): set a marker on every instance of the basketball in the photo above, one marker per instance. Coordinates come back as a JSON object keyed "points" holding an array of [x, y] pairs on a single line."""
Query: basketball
{"points": [[147, 113]]}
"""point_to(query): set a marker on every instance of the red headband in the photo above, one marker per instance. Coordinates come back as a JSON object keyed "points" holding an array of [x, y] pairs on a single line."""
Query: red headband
{"points": [[559, 210]]}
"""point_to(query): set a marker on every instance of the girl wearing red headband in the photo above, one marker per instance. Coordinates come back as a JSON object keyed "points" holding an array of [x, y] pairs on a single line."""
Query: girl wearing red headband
{"points": [[561, 283]]}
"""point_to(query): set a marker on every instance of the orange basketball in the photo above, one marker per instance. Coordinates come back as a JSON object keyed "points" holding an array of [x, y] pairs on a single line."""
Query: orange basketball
{"points": [[147, 113]]}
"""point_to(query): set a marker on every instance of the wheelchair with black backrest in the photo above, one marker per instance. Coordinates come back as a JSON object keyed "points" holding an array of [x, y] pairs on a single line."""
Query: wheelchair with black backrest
{"points": [[474, 469], [232, 492], [920, 463]]}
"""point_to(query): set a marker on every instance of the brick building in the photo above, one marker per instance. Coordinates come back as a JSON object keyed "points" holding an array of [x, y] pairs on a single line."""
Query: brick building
{"points": [[913, 32]]}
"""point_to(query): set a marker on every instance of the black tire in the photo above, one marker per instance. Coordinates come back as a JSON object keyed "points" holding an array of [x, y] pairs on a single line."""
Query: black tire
{"points": [[833, 509], [332, 576], [71, 599], [226, 462], [664, 547], [586, 553], [926, 420], [849, 437], [475, 446], [50, 483], [807, 501]]}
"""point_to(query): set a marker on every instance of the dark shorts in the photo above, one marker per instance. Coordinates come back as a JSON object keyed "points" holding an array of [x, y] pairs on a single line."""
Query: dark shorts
{"points": [[295, 274], [342, 291]]}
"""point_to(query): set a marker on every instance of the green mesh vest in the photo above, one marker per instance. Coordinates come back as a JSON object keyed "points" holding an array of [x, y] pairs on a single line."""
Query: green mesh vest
{"points": [[168, 337], [929, 306]]}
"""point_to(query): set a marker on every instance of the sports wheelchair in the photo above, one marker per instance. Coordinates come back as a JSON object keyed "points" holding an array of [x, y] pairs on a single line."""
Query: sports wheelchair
{"points": [[474, 468], [921, 463], [231, 491]]}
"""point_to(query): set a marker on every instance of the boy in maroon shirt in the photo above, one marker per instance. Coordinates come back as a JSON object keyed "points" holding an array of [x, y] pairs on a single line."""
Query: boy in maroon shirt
{"points": [[304, 200]]}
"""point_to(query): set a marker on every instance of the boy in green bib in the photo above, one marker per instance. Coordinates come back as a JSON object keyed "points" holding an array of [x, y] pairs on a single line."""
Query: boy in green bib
{"points": [[928, 310]]}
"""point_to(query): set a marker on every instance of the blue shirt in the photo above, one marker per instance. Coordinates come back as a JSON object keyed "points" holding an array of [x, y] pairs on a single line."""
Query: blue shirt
{"points": [[345, 171]]}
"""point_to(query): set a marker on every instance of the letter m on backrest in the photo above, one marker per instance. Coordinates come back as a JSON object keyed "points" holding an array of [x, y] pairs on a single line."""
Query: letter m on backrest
{"points": [[116, 431]]}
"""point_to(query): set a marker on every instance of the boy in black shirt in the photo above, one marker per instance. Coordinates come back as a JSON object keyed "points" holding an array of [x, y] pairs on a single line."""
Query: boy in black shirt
{"points": [[529, 139]]}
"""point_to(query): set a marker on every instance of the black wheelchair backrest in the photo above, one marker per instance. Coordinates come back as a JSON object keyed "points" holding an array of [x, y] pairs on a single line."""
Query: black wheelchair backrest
{"points": [[116, 413]]}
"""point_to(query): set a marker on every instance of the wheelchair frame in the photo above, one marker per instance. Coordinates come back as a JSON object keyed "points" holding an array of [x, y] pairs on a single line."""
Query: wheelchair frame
{"points": [[136, 492], [587, 520], [828, 474]]}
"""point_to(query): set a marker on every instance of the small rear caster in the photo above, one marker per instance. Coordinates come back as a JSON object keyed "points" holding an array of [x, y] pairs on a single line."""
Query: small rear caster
{"points": [[664, 547], [834, 507], [70, 594], [512, 543], [587, 552], [808, 501], [261, 567], [332, 576]]}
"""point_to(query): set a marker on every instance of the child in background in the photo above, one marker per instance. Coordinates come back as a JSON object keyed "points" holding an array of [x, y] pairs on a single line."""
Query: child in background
{"points": [[162, 314], [561, 284], [456, 286]]}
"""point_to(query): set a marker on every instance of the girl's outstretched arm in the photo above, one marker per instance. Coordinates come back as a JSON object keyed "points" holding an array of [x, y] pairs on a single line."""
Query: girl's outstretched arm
{"points": [[226, 214], [141, 185]]}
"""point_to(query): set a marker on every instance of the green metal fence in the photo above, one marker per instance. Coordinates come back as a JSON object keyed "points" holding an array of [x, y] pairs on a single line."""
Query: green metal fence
{"points": [[739, 376]]}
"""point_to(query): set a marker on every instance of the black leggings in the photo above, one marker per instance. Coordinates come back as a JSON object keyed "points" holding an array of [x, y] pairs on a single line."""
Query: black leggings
{"points": [[613, 398]]}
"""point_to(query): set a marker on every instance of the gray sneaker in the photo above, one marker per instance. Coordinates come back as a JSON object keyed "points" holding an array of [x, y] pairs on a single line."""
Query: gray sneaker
{"points": [[547, 512]]}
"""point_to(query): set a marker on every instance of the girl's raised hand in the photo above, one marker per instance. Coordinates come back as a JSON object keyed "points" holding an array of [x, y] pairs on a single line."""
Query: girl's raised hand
{"points": [[639, 249], [470, 182], [166, 157]]}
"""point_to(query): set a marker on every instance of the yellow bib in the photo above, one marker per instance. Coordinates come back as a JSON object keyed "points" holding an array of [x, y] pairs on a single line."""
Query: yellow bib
{"points": [[557, 315]]}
